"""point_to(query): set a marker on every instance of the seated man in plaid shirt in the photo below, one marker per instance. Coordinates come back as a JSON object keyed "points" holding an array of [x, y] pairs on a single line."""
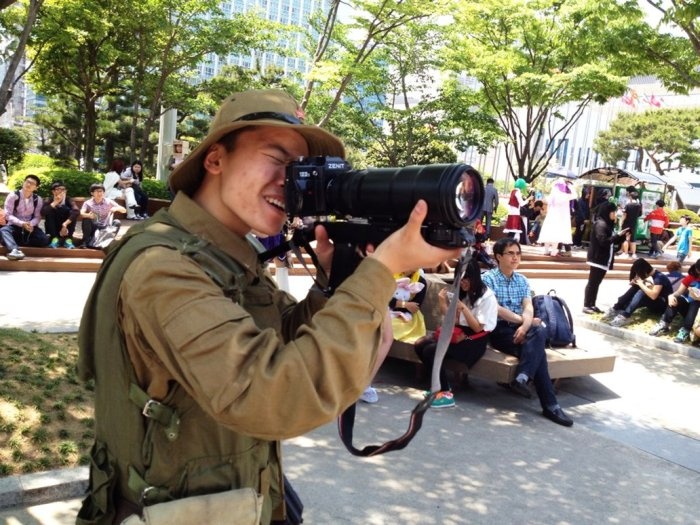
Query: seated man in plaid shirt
{"points": [[518, 332]]}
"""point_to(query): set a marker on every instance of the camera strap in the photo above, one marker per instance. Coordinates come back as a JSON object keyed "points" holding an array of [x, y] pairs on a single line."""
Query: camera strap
{"points": [[346, 421]]}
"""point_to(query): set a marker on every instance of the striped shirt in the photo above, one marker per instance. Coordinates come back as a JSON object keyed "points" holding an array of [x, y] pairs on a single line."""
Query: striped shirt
{"points": [[25, 212], [510, 291], [102, 209]]}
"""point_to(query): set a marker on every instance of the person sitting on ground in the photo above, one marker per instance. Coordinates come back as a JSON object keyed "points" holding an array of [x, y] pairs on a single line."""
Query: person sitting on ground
{"points": [[135, 173], [96, 214], [632, 212], [684, 301], [116, 187], [684, 236], [674, 274], [518, 332], [23, 214], [600, 255], [477, 313], [658, 222], [60, 217], [649, 288]]}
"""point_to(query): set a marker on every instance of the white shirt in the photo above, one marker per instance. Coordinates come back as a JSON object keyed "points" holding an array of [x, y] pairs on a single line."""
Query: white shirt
{"points": [[485, 310]]}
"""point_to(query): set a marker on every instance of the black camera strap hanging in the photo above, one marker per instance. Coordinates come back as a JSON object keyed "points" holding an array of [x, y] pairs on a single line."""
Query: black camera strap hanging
{"points": [[346, 421], [345, 259]]}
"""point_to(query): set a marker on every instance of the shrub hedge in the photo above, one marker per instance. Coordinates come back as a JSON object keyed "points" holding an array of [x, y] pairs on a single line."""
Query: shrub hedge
{"points": [[78, 182]]}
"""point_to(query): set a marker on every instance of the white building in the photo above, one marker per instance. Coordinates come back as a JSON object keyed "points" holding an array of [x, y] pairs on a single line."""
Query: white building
{"points": [[288, 12], [576, 152]]}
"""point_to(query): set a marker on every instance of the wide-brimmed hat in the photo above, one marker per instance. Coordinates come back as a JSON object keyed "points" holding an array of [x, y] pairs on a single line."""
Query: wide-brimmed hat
{"points": [[265, 107]]}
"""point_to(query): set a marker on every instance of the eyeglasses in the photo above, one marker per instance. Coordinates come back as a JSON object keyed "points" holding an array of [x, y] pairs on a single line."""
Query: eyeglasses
{"points": [[512, 254]]}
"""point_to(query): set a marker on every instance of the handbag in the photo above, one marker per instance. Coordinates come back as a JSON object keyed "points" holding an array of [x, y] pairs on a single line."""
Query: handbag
{"points": [[456, 337]]}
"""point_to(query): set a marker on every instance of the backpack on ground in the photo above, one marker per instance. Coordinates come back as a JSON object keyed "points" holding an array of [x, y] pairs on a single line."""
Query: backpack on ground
{"points": [[556, 316]]}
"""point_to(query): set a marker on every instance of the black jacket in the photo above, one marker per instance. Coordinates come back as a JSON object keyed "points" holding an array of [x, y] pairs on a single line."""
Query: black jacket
{"points": [[601, 250]]}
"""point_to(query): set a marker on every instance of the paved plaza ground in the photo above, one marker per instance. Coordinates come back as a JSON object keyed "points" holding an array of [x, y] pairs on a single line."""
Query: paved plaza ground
{"points": [[632, 456]]}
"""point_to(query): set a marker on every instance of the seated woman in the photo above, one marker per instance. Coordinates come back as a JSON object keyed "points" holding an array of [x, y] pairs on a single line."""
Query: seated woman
{"points": [[116, 187], [649, 288], [135, 173], [407, 320], [477, 313]]}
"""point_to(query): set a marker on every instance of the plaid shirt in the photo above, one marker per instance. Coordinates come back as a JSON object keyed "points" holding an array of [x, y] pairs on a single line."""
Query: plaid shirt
{"points": [[510, 291]]}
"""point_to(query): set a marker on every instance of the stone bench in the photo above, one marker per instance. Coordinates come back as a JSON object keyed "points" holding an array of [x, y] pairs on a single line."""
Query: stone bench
{"points": [[498, 366]]}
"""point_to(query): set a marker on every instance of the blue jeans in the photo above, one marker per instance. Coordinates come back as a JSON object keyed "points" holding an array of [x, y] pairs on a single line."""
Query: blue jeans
{"points": [[634, 298], [532, 356], [15, 236]]}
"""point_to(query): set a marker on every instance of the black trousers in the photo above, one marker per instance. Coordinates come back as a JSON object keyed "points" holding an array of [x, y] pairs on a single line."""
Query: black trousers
{"points": [[595, 277], [54, 219], [468, 351]]}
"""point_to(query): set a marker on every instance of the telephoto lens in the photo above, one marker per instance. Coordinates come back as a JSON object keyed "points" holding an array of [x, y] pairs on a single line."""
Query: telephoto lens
{"points": [[384, 197]]}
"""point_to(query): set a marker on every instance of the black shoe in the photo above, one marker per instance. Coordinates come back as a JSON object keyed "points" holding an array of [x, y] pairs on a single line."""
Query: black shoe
{"points": [[520, 388], [596, 309], [558, 416], [589, 310]]}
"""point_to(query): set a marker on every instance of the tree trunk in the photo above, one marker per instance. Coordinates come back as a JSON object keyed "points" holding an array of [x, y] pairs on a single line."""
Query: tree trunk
{"points": [[90, 133], [8, 83]]}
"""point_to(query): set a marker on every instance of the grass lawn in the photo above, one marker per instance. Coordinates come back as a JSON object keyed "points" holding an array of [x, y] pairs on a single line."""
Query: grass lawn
{"points": [[46, 413]]}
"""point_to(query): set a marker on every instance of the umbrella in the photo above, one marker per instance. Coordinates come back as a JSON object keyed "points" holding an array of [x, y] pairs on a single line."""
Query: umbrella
{"points": [[560, 171]]}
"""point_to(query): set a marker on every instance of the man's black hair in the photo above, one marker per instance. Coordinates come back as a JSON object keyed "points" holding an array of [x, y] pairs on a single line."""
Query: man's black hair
{"points": [[35, 179], [499, 247], [57, 184], [96, 186], [489, 181]]}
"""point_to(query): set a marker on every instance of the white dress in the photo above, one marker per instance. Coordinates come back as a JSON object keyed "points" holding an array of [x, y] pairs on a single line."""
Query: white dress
{"points": [[556, 227]]}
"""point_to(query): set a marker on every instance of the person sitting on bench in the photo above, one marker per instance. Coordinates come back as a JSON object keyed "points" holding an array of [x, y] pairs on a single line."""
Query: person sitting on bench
{"points": [[518, 332], [96, 214], [477, 312]]}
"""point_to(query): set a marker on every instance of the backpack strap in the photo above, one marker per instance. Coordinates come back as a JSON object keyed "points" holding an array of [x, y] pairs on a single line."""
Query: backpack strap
{"points": [[549, 306], [35, 199]]}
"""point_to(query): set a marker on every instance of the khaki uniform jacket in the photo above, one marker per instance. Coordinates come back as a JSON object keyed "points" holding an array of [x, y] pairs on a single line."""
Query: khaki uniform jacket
{"points": [[270, 369]]}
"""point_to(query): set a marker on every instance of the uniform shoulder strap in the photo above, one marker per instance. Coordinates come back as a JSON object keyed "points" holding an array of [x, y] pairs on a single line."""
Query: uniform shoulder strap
{"points": [[161, 230]]}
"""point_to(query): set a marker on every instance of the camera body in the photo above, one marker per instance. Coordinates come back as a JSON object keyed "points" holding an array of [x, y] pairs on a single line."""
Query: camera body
{"points": [[368, 205]]}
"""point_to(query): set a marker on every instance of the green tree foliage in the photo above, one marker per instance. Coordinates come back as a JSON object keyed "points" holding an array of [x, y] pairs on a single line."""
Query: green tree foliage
{"points": [[141, 56], [12, 146], [669, 137], [538, 65], [668, 48], [384, 65]]}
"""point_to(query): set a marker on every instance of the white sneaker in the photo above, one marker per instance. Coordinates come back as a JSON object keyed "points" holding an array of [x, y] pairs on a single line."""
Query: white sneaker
{"points": [[15, 255], [369, 395], [620, 321], [610, 314]]}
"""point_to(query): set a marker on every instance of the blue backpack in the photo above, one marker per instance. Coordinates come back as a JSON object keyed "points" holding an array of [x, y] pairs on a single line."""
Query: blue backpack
{"points": [[556, 318]]}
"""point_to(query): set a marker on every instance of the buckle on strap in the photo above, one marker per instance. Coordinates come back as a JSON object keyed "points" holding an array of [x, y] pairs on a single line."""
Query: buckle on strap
{"points": [[157, 411], [147, 494], [153, 408]]}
